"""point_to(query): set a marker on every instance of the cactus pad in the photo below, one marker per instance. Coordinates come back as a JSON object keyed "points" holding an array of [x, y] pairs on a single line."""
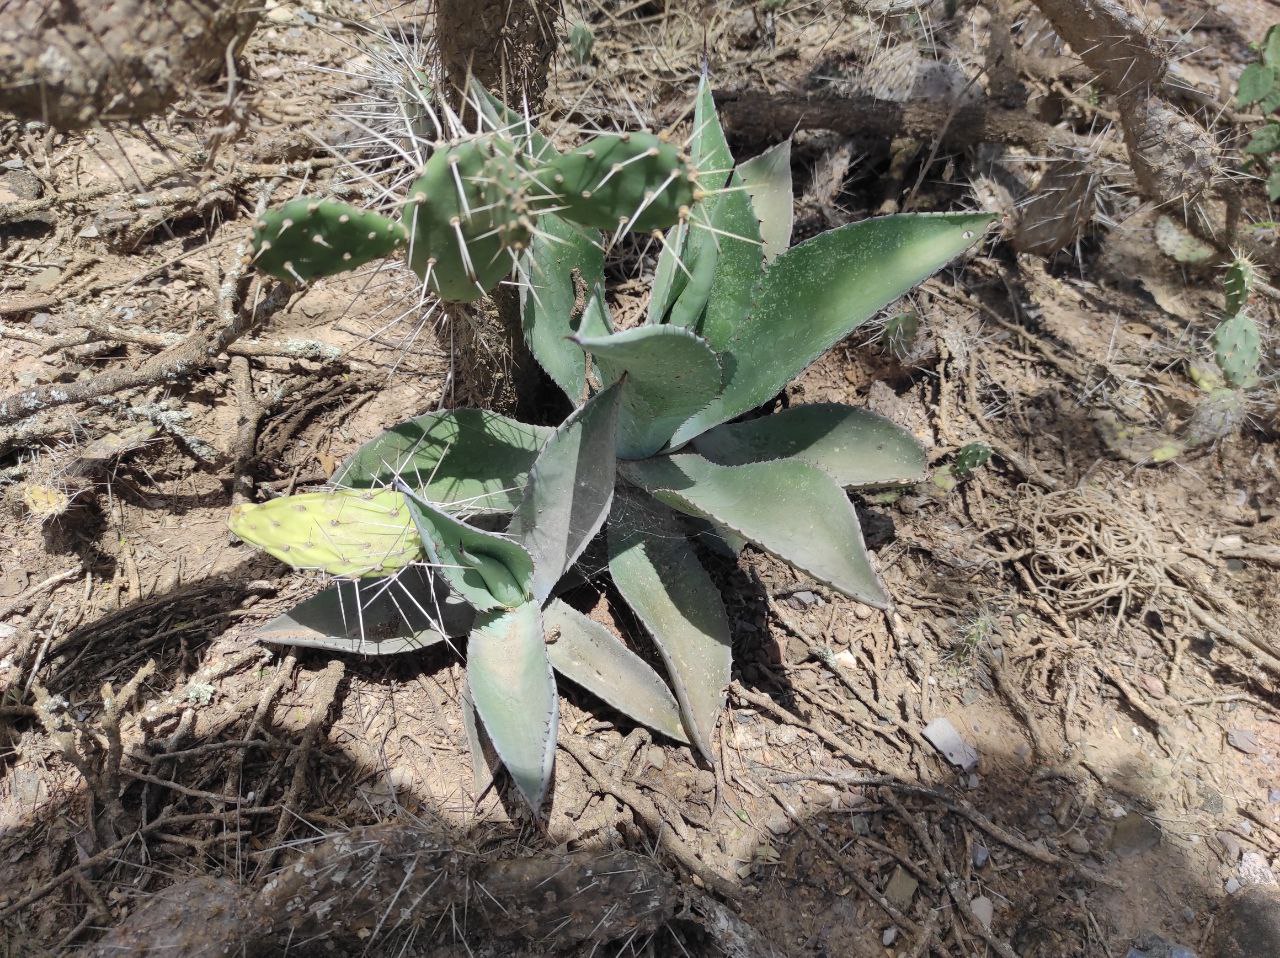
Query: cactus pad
{"points": [[619, 179], [346, 532], [470, 212], [1237, 349], [1217, 416], [1238, 284], [308, 238]]}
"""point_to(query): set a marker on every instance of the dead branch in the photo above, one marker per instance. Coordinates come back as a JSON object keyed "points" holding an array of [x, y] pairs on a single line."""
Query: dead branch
{"points": [[760, 115], [193, 353]]}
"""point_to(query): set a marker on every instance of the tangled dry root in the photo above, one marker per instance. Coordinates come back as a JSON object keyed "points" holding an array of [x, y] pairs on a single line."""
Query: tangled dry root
{"points": [[1085, 550]]}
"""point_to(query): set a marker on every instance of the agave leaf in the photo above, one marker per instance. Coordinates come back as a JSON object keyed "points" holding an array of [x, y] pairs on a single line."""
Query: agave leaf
{"points": [[688, 256], [548, 300], [657, 573], [570, 487], [484, 759], [515, 694], [787, 507], [767, 178], [588, 654], [485, 568], [501, 117], [709, 146], [471, 459], [671, 374], [855, 447], [739, 262], [403, 613], [816, 293]]}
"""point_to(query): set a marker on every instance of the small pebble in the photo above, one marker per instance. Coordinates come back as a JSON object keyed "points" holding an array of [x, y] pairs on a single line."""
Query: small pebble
{"points": [[984, 910], [981, 855], [1078, 843], [890, 936]]}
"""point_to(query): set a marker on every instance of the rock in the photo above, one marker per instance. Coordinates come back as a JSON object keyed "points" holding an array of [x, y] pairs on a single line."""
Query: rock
{"points": [[1273, 796], [804, 597], [981, 855], [1134, 834], [1078, 843], [1233, 885], [984, 910], [1248, 925], [1230, 846], [1155, 687], [1254, 870], [890, 936], [901, 888], [1245, 740], [943, 736]]}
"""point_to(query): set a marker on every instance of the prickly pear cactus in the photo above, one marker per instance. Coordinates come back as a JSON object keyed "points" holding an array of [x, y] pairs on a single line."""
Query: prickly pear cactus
{"points": [[1237, 349], [1238, 284], [632, 180], [346, 532], [475, 203], [1215, 417], [308, 238], [650, 454], [470, 215]]}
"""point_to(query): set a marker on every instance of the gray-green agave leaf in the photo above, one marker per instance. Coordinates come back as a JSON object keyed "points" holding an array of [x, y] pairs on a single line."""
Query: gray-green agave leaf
{"points": [[670, 375], [857, 448], [402, 613], [815, 294], [767, 178], [588, 654], [549, 301], [488, 570], [659, 576], [514, 692], [570, 487], [787, 507], [472, 460]]}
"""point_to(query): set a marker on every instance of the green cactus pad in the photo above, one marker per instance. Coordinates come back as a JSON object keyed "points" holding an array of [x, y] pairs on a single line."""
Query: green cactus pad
{"points": [[1215, 417], [470, 213], [1238, 284], [616, 179], [346, 532], [1237, 349], [308, 238]]}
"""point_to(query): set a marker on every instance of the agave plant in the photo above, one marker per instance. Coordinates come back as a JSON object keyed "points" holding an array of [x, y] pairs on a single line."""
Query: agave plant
{"points": [[657, 449]]}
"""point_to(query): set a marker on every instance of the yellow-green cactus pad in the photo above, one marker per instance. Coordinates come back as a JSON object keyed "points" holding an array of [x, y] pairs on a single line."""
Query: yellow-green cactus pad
{"points": [[346, 532]]}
